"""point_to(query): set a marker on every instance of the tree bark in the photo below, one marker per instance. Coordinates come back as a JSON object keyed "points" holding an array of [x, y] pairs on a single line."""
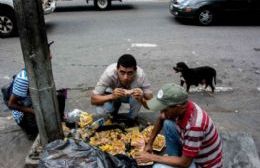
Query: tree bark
{"points": [[33, 38]]}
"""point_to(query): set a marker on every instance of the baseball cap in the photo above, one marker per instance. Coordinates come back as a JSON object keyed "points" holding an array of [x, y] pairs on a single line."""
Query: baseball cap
{"points": [[169, 95]]}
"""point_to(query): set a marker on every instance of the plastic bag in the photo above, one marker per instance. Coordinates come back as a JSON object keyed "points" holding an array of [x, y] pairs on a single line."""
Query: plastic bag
{"points": [[127, 161], [7, 91], [73, 153]]}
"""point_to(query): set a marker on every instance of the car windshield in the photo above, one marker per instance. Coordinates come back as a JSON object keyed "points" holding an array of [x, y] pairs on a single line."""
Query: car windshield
{"points": [[184, 2], [180, 1]]}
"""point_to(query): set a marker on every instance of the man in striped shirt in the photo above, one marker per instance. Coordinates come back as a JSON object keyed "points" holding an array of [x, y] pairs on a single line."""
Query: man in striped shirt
{"points": [[192, 139], [21, 104]]}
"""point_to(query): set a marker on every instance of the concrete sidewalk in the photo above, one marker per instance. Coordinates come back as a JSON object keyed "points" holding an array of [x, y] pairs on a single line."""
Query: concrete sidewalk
{"points": [[239, 130], [238, 146]]}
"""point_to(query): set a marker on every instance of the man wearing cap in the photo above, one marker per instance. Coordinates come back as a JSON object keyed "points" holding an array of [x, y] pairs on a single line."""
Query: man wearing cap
{"points": [[192, 139]]}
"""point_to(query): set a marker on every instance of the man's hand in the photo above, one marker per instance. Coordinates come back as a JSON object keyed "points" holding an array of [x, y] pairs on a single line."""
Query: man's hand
{"points": [[148, 148], [15, 104], [138, 94], [118, 93], [177, 161], [144, 157]]}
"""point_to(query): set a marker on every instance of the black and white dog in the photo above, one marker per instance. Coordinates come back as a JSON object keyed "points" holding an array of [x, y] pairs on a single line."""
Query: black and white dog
{"points": [[195, 76]]}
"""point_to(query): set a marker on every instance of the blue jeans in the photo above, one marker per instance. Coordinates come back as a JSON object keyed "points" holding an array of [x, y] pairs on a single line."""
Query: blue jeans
{"points": [[113, 107], [173, 143]]}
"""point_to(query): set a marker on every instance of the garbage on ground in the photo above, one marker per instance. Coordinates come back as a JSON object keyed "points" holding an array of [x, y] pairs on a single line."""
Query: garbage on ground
{"points": [[73, 116], [111, 137], [76, 153]]}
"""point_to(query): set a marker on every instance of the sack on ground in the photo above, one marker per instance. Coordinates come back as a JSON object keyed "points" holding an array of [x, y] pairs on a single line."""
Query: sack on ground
{"points": [[74, 153]]}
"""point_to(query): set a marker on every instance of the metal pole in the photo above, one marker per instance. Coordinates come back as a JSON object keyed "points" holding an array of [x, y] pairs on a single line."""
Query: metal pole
{"points": [[31, 27]]}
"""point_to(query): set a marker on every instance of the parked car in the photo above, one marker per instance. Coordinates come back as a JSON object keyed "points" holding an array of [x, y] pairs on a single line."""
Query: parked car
{"points": [[102, 4], [99, 4], [205, 11], [7, 17]]}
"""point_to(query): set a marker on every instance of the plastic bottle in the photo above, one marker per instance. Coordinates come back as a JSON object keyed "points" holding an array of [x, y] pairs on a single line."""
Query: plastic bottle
{"points": [[95, 125]]}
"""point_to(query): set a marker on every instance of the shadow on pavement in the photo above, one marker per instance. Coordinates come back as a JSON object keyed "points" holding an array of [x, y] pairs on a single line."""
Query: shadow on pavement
{"points": [[14, 144], [114, 7]]}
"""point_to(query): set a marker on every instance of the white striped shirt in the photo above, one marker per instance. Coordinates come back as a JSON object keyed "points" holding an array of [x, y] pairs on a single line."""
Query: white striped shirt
{"points": [[20, 90], [200, 139]]}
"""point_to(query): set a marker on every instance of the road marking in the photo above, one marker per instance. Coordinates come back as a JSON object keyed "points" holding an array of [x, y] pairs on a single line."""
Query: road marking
{"points": [[143, 45], [146, 1], [6, 77], [217, 89], [194, 53]]}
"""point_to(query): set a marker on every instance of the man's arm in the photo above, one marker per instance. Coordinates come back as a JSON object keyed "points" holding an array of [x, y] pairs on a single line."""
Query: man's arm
{"points": [[142, 97], [148, 96], [20, 88], [146, 89], [157, 128], [14, 104], [97, 99], [144, 157], [100, 99], [182, 161]]}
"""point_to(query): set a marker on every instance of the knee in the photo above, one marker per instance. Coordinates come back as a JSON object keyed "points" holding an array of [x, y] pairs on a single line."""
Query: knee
{"points": [[100, 110], [159, 165], [134, 103], [132, 100], [108, 107], [169, 125]]}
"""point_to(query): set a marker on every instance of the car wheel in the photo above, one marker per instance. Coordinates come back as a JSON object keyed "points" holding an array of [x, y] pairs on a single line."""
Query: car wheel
{"points": [[102, 4], [205, 16], [8, 26]]}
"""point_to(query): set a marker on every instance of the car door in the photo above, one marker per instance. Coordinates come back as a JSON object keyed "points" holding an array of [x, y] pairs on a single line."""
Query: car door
{"points": [[237, 5], [254, 5]]}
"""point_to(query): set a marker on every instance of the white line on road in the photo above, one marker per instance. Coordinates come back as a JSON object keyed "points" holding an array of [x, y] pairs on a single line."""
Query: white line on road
{"points": [[143, 45], [217, 89], [6, 77], [146, 1]]}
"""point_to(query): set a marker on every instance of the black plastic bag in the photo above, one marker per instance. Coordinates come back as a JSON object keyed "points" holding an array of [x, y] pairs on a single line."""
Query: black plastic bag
{"points": [[7, 91], [127, 161], [74, 153]]}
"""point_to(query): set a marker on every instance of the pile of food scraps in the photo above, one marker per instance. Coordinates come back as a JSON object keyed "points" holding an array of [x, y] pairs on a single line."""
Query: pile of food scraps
{"points": [[130, 141]]}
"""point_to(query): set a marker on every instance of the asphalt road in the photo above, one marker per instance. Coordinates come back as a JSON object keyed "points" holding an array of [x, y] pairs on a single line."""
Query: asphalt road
{"points": [[86, 41]]}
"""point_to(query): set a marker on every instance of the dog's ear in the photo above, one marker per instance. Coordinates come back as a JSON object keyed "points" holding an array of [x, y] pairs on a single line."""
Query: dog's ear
{"points": [[182, 65]]}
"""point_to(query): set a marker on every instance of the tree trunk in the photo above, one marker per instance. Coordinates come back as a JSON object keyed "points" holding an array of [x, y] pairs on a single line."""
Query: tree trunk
{"points": [[31, 27]]}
